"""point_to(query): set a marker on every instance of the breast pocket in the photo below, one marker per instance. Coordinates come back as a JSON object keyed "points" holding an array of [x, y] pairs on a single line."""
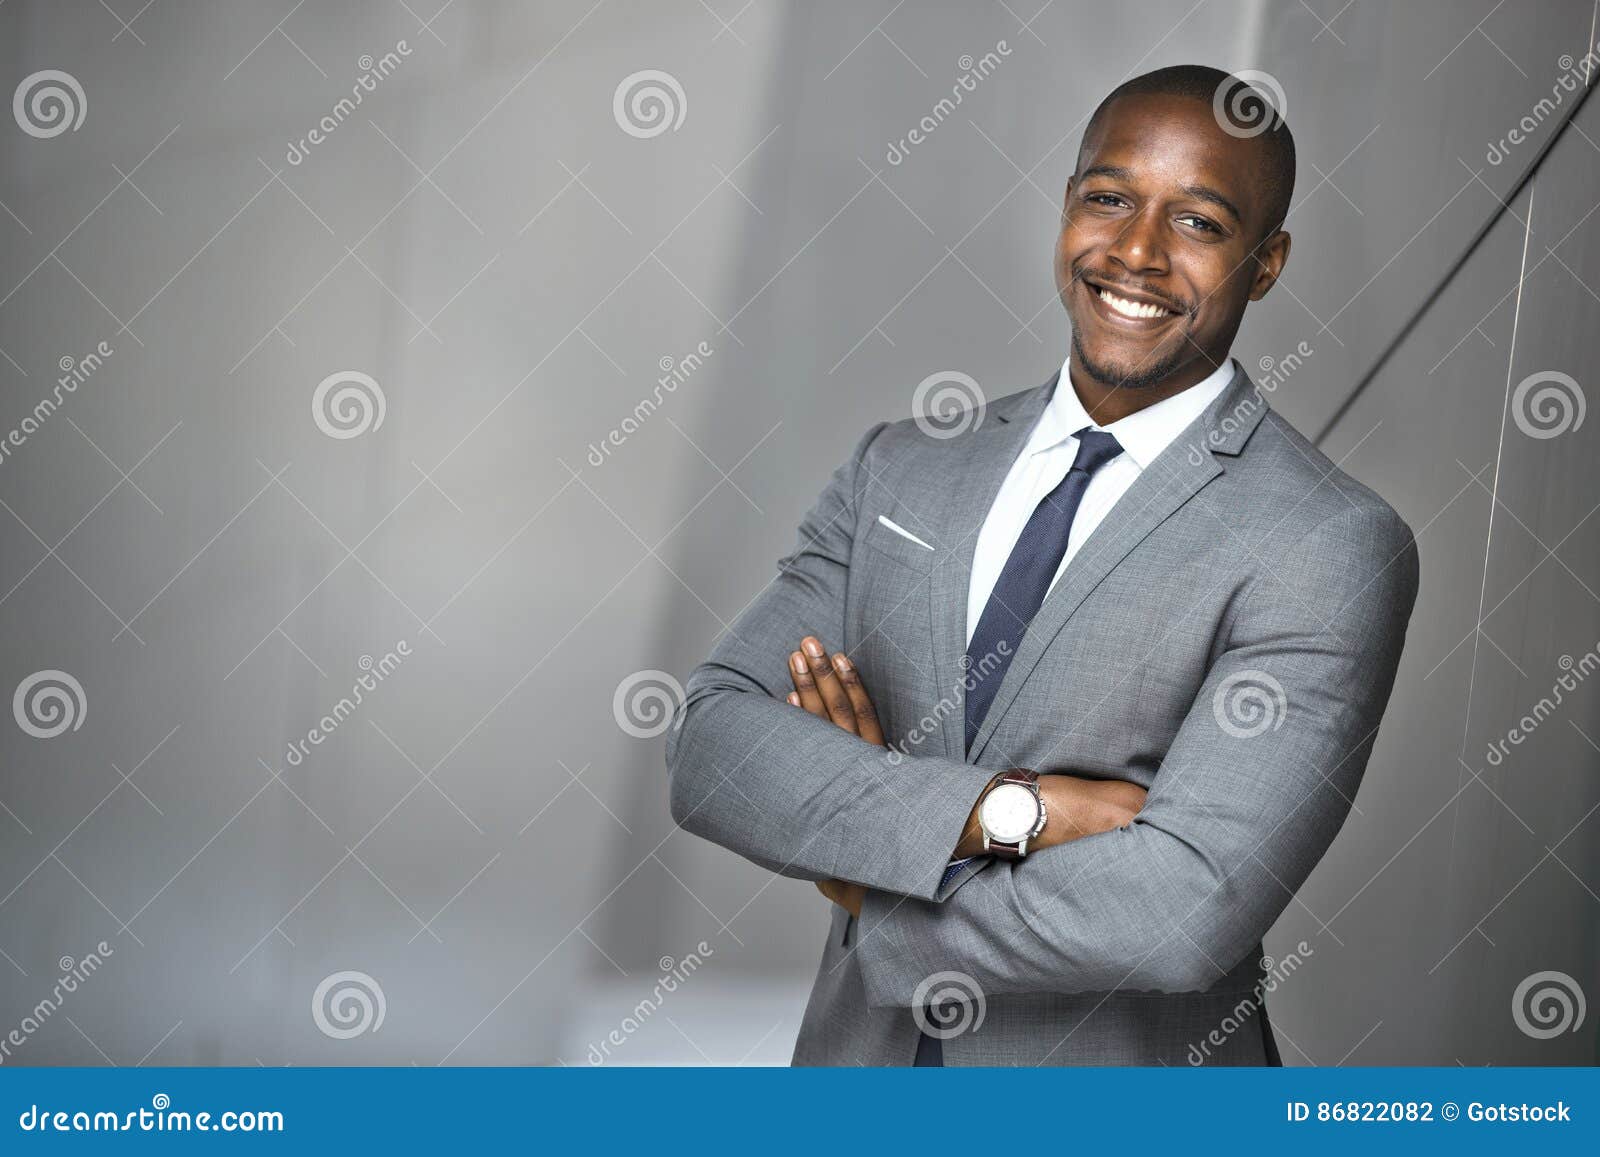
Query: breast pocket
{"points": [[889, 625], [891, 543]]}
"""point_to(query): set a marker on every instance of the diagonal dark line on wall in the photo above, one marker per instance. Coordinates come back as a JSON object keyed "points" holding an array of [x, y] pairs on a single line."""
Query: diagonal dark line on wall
{"points": [[1471, 247]]}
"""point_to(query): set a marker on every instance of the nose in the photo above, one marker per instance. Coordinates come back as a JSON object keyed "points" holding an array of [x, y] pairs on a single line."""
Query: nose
{"points": [[1138, 246]]}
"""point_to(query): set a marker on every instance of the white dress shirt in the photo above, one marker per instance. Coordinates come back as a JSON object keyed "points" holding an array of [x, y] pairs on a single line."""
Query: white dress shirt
{"points": [[1047, 457]]}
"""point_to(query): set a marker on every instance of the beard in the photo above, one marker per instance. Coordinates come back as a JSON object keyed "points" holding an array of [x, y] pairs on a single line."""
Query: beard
{"points": [[1134, 376]]}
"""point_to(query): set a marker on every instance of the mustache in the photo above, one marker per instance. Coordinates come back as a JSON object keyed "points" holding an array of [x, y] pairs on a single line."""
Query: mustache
{"points": [[1089, 277]]}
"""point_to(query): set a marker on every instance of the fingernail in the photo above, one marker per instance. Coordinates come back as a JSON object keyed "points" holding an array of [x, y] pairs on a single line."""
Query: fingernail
{"points": [[841, 662], [798, 662], [813, 648]]}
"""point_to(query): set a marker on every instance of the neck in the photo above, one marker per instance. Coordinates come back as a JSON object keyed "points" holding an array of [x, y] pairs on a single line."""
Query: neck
{"points": [[1108, 402]]}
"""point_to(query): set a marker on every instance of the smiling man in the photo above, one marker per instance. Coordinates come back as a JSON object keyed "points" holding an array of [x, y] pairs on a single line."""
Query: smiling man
{"points": [[1113, 654]]}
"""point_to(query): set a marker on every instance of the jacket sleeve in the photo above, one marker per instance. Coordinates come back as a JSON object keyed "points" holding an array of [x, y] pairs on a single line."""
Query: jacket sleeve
{"points": [[786, 790], [1253, 789]]}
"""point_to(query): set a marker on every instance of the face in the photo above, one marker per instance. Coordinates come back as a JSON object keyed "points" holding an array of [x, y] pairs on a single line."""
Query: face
{"points": [[1162, 245]]}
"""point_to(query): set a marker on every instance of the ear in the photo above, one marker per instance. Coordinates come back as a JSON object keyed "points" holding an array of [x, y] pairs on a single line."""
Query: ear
{"points": [[1270, 257]]}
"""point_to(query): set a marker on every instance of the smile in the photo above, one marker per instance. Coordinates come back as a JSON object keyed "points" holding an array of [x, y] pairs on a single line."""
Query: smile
{"points": [[1127, 307]]}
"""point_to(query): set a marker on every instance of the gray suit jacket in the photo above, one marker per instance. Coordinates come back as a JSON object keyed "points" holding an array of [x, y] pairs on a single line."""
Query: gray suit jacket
{"points": [[1227, 638]]}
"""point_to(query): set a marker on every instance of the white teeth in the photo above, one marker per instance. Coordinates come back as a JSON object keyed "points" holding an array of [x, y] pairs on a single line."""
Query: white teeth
{"points": [[1130, 308]]}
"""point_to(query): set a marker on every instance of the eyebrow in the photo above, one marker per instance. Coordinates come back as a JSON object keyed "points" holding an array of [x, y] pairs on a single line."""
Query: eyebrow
{"points": [[1199, 192], [1211, 196]]}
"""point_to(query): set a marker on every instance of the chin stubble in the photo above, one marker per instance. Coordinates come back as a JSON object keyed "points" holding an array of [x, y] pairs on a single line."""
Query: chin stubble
{"points": [[1139, 378]]}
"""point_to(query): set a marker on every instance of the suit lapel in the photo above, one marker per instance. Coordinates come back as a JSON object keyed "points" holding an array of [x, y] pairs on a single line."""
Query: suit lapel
{"points": [[1176, 475], [964, 489]]}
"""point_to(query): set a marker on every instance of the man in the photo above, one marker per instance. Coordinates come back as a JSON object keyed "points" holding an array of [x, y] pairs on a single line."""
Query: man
{"points": [[1136, 578]]}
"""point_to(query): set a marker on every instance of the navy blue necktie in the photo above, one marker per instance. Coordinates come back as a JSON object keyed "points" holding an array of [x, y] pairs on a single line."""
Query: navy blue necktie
{"points": [[1017, 596], [1020, 590]]}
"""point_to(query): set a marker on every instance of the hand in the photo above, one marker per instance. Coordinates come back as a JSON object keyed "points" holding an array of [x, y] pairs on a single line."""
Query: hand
{"points": [[845, 894], [1074, 807], [832, 689]]}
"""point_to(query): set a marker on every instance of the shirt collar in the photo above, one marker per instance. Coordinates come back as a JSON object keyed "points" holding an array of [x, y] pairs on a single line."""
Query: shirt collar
{"points": [[1143, 434]]}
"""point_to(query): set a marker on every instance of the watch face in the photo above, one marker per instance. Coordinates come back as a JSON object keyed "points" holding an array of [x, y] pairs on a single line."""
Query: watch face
{"points": [[1009, 813]]}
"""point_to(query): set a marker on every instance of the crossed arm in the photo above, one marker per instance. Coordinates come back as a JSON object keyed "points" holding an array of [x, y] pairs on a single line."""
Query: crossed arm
{"points": [[831, 688], [1233, 824]]}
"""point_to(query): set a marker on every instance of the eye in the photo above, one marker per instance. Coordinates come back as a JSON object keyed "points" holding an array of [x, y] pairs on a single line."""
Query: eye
{"points": [[1104, 199], [1200, 223]]}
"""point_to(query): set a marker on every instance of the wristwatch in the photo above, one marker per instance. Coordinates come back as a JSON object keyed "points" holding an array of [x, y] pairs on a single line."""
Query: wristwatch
{"points": [[1011, 813]]}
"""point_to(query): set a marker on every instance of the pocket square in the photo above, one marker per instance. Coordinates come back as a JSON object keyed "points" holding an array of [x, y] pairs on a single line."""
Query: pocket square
{"points": [[903, 532]]}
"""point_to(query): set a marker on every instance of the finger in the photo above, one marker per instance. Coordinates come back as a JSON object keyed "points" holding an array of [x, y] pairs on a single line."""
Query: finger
{"points": [[805, 686], [828, 685], [867, 725]]}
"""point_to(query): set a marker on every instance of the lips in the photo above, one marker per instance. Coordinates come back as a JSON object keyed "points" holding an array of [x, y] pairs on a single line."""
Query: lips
{"points": [[1128, 308]]}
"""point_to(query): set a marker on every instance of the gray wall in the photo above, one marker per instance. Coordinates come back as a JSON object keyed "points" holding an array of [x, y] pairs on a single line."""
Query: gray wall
{"points": [[481, 837]]}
